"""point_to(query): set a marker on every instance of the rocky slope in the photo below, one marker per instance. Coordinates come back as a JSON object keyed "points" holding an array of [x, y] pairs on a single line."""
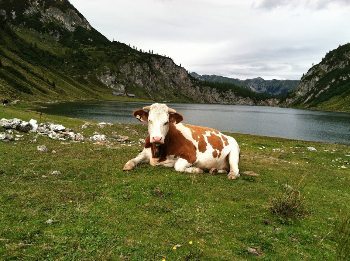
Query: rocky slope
{"points": [[49, 51], [327, 84], [259, 85]]}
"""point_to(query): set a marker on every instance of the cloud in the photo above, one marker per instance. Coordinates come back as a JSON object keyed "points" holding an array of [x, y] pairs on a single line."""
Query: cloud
{"points": [[245, 39], [313, 4]]}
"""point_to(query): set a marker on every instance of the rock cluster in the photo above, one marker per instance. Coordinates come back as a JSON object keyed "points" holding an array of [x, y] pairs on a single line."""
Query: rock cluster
{"points": [[53, 131], [57, 132], [6, 137]]}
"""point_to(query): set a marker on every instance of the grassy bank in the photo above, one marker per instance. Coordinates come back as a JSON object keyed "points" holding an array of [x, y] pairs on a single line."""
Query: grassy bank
{"points": [[93, 210]]}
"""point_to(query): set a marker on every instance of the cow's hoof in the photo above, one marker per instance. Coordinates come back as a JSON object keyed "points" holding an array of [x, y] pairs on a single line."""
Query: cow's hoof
{"points": [[213, 171], [128, 166], [154, 162], [200, 171], [233, 175]]}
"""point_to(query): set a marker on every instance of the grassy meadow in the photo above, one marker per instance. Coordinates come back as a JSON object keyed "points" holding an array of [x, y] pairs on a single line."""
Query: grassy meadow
{"points": [[93, 210]]}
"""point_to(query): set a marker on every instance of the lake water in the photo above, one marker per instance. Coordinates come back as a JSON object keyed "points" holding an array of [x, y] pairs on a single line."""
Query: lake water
{"points": [[266, 121]]}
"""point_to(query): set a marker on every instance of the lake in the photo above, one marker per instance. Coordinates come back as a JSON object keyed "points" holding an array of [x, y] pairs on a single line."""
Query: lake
{"points": [[298, 124]]}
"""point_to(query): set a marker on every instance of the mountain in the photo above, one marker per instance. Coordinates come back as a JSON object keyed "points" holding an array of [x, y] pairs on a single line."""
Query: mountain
{"points": [[326, 85], [258, 85], [49, 51]]}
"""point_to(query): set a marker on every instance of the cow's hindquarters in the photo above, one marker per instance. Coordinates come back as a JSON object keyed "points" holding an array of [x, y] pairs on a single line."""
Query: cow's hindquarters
{"points": [[233, 159]]}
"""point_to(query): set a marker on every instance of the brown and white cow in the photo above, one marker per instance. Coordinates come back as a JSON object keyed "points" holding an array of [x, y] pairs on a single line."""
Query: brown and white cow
{"points": [[185, 147]]}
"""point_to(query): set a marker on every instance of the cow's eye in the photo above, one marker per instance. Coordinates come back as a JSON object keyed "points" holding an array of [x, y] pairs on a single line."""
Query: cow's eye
{"points": [[166, 123]]}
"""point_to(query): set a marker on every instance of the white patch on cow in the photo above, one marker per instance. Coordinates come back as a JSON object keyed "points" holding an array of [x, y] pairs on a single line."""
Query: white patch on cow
{"points": [[183, 165]]}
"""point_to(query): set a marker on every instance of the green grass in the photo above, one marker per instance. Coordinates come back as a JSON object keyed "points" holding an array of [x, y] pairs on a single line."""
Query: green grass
{"points": [[100, 212]]}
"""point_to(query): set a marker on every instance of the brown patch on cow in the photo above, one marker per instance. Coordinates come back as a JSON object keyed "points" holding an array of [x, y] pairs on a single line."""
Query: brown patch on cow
{"points": [[141, 115], [148, 142], [198, 135], [215, 154], [216, 142], [225, 140], [175, 144], [175, 117]]}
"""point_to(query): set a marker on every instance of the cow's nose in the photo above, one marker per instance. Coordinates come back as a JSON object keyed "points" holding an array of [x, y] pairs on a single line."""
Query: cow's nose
{"points": [[157, 139]]}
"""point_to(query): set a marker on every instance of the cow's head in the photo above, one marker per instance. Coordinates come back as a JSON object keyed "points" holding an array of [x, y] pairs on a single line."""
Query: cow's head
{"points": [[158, 116]]}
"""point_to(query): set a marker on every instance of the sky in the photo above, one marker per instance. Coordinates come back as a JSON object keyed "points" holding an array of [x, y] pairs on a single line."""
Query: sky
{"points": [[273, 39]]}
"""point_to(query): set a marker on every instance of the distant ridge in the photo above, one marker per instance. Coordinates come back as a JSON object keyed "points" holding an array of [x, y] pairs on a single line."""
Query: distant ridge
{"points": [[258, 85]]}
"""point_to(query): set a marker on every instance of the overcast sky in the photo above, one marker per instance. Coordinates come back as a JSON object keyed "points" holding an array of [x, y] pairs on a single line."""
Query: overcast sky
{"points": [[278, 39]]}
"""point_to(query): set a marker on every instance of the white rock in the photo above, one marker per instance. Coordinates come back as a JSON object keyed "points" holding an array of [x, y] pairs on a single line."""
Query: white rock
{"points": [[85, 125], [49, 221], [24, 126], [42, 148], [6, 137], [98, 137], [79, 137], [57, 127], [11, 123], [104, 124], [253, 251], [56, 172], [34, 124], [311, 149]]}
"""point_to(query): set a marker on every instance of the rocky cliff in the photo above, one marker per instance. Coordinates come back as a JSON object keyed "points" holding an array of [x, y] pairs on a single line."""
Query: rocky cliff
{"points": [[49, 51], [327, 84]]}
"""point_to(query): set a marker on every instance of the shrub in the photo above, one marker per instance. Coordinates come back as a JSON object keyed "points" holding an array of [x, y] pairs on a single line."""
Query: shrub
{"points": [[289, 205], [342, 232]]}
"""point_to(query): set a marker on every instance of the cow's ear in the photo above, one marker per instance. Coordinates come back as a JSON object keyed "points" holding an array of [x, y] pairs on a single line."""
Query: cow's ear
{"points": [[175, 117], [141, 115]]}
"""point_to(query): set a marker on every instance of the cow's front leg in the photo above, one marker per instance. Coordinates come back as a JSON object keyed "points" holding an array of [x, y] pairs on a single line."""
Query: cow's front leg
{"points": [[169, 162], [144, 156], [183, 165]]}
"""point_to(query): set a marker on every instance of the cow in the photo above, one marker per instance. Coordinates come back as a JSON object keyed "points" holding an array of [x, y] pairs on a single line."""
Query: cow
{"points": [[187, 148]]}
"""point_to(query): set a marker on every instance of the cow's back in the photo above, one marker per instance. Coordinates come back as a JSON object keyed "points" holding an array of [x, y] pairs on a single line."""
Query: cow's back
{"points": [[212, 146]]}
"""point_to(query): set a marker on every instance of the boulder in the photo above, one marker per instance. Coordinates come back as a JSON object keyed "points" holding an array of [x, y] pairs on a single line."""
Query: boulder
{"points": [[57, 127], [34, 124], [6, 137], [24, 127], [11, 123]]}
